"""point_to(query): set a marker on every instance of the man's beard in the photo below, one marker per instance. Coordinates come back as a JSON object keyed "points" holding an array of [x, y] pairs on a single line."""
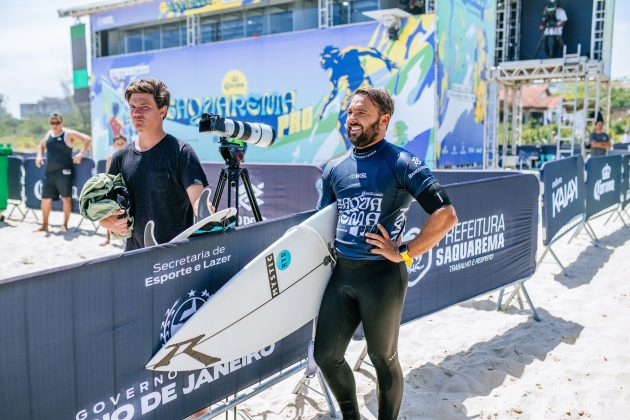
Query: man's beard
{"points": [[368, 135]]}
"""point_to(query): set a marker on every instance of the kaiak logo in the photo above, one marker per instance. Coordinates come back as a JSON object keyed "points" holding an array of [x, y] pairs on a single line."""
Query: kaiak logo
{"points": [[564, 195]]}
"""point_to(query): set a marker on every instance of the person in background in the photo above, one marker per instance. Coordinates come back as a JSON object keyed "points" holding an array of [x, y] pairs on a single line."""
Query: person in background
{"points": [[625, 138], [58, 144], [599, 140], [120, 141], [553, 21]]}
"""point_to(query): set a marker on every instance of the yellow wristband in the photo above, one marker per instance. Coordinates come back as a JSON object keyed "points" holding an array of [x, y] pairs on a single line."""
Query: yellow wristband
{"points": [[408, 260]]}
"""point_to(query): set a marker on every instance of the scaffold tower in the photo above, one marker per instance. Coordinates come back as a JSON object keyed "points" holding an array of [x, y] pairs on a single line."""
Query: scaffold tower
{"points": [[575, 75]]}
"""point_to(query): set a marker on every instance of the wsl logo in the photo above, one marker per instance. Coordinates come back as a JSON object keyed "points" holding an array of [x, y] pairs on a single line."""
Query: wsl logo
{"points": [[564, 195], [604, 185], [178, 314], [421, 264]]}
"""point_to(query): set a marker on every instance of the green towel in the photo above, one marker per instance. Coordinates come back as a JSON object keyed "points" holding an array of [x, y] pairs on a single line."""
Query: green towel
{"points": [[96, 201]]}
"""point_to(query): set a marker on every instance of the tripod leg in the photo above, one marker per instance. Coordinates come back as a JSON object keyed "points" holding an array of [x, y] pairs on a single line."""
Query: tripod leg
{"points": [[219, 190], [250, 194]]}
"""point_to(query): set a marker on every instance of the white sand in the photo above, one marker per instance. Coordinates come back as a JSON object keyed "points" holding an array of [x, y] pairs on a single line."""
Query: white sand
{"points": [[468, 361]]}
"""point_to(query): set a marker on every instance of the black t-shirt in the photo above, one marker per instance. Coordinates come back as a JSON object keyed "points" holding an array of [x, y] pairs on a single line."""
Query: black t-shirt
{"points": [[157, 180]]}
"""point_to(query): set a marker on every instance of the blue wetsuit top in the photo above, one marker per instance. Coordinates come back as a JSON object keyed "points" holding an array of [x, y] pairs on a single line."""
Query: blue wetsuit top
{"points": [[372, 185]]}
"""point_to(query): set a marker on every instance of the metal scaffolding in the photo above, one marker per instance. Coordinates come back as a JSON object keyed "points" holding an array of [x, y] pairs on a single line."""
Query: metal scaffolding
{"points": [[572, 74]]}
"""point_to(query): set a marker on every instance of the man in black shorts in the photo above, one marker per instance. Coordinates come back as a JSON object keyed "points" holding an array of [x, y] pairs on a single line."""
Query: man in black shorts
{"points": [[163, 174], [58, 144], [373, 184]]}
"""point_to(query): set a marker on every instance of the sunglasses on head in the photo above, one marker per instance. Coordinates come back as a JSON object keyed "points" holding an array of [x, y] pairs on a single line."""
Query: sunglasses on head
{"points": [[55, 122]]}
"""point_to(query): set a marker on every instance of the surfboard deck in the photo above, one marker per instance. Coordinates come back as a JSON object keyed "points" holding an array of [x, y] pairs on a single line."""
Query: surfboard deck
{"points": [[274, 295], [217, 222]]}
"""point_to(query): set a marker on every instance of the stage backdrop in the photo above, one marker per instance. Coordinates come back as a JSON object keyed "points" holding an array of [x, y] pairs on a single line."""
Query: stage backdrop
{"points": [[465, 51], [299, 83]]}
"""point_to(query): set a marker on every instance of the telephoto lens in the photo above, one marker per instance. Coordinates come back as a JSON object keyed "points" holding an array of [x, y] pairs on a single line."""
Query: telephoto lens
{"points": [[257, 134]]}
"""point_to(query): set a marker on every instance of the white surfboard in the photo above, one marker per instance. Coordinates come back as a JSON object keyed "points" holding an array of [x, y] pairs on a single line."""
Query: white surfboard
{"points": [[275, 294], [216, 222]]}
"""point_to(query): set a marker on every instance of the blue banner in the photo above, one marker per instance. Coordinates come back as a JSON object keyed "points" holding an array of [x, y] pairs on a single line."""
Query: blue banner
{"points": [[564, 194], [493, 245], [603, 183], [34, 176], [625, 181], [16, 177], [75, 340], [279, 190]]}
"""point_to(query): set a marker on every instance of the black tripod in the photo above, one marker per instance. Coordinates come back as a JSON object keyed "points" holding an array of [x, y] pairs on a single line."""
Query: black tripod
{"points": [[233, 154]]}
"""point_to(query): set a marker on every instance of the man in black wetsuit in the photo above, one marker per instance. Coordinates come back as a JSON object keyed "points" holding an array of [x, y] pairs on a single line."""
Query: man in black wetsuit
{"points": [[58, 144], [163, 174], [373, 184]]}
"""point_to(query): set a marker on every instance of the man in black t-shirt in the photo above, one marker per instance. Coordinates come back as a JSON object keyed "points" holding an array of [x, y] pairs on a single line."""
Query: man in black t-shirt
{"points": [[163, 174], [58, 144], [600, 142]]}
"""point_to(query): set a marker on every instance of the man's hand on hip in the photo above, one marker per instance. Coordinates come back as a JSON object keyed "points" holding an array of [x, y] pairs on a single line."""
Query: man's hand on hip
{"points": [[384, 245]]}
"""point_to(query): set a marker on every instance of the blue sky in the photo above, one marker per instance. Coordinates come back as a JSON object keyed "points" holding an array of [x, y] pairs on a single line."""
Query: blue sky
{"points": [[35, 50]]}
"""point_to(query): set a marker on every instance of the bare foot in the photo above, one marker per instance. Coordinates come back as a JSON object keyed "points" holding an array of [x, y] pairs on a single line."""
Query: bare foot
{"points": [[63, 229], [42, 229], [104, 243]]}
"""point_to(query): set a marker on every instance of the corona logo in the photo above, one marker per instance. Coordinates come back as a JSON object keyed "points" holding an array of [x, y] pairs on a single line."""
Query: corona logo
{"points": [[234, 83], [606, 172]]}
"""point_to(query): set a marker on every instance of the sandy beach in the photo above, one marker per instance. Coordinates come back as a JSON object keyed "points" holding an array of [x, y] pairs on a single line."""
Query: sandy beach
{"points": [[468, 361]]}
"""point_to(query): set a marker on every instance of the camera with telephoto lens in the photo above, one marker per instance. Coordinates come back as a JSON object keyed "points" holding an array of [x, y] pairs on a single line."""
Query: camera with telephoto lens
{"points": [[257, 134]]}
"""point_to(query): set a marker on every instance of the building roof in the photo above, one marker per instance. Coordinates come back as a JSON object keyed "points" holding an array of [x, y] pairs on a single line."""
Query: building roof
{"points": [[98, 7], [536, 97]]}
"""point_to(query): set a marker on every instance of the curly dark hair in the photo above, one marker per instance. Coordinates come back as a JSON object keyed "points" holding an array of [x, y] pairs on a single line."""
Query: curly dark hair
{"points": [[379, 97], [155, 87]]}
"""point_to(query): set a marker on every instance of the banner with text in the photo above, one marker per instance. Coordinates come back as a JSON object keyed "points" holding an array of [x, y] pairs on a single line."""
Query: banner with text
{"points": [[564, 194], [75, 340]]}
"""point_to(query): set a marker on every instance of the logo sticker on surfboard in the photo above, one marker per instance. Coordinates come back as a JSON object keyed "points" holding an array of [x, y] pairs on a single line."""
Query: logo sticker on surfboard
{"points": [[284, 259]]}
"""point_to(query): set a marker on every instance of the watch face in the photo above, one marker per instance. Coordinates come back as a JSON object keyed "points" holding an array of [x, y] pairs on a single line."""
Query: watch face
{"points": [[402, 248]]}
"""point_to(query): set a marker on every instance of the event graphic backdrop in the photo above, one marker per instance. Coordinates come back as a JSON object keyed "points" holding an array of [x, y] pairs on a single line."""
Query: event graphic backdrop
{"points": [[287, 81], [466, 36]]}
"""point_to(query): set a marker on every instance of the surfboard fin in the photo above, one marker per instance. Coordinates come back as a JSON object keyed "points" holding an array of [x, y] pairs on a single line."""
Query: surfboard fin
{"points": [[204, 205], [149, 234]]}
